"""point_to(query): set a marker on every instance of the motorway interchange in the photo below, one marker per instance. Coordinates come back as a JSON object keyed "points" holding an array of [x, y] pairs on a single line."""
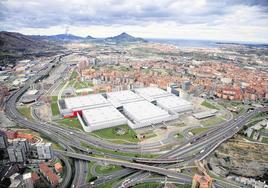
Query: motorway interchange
{"points": [[137, 169]]}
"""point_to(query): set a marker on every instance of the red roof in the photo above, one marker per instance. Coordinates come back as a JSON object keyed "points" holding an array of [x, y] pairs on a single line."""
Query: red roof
{"points": [[35, 177], [53, 178]]}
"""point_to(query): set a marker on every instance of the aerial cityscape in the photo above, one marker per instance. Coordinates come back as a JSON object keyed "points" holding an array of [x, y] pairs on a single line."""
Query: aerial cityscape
{"points": [[142, 94]]}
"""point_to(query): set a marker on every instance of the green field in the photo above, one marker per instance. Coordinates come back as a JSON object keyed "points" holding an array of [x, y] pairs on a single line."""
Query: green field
{"points": [[212, 121], [54, 98], [80, 85], [147, 185], [209, 105], [90, 177], [198, 130], [71, 123], [54, 106], [74, 75], [179, 136], [55, 109], [26, 111], [112, 133], [264, 140], [107, 169]]}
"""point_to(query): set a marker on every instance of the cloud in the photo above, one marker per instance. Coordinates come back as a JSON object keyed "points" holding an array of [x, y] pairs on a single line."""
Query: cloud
{"points": [[205, 16]]}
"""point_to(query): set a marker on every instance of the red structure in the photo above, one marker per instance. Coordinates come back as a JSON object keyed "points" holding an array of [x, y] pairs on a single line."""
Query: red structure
{"points": [[29, 137], [48, 174], [11, 134], [74, 114]]}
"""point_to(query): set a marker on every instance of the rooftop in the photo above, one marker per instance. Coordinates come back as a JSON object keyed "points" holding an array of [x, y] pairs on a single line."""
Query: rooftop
{"points": [[31, 92], [152, 92], [88, 101], [125, 96], [144, 111], [174, 103], [102, 115], [205, 114]]}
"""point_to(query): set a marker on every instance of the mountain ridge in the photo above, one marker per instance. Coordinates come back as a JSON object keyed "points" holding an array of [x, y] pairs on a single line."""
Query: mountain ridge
{"points": [[124, 37]]}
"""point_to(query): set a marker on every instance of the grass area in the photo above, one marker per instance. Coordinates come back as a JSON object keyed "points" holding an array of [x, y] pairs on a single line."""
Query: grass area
{"points": [[107, 169], [147, 185], [26, 111], [179, 136], [145, 155], [196, 131], [74, 75], [90, 177], [113, 133], [212, 121], [264, 140], [72, 79], [108, 184], [55, 109], [209, 105], [54, 98], [80, 85], [71, 123], [183, 186]]}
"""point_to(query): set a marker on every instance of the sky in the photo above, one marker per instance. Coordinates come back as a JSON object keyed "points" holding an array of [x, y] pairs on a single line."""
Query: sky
{"points": [[222, 20]]}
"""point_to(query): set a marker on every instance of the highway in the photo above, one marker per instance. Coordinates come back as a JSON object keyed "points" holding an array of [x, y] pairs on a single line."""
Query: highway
{"points": [[143, 167], [233, 127], [68, 172], [14, 115], [205, 142]]}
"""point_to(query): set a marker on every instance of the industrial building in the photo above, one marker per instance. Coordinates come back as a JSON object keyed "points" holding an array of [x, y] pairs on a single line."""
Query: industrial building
{"points": [[138, 108], [143, 113], [69, 107], [175, 104], [123, 97], [100, 118], [165, 100], [152, 93]]}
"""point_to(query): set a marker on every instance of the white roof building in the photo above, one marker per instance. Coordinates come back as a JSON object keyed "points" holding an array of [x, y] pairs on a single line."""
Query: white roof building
{"points": [[100, 118], [152, 93], [144, 113], [144, 107], [123, 97], [165, 99], [175, 104], [85, 102]]}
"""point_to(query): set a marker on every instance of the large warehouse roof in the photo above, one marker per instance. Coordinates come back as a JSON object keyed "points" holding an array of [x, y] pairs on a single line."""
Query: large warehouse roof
{"points": [[125, 96], [88, 101], [152, 92], [174, 103], [96, 112], [103, 117], [145, 112]]}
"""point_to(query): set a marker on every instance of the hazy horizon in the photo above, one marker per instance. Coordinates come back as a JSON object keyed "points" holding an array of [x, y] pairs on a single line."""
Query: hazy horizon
{"points": [[227, 20]]}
